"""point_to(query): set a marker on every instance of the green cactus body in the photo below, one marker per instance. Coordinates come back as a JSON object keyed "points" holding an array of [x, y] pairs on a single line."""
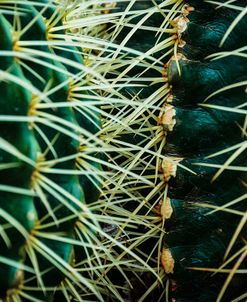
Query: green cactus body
{"points": [[197, 119], [42, 189], [197, 240], [161, 129]]}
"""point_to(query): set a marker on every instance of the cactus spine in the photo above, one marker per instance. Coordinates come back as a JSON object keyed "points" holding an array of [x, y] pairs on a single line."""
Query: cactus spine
{"points": [[154, 137], [55, 242], [207, 136], [199, 131], [50, 166]]}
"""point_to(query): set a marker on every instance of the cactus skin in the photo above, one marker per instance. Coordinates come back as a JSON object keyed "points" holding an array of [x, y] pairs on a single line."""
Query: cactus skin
{"points": [[25, 152], [192, 132], [193, 239], [184, 189]]}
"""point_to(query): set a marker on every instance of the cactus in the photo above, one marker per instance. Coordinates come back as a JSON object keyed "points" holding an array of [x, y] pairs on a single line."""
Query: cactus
{"points": [[198, 130], [43, 136], [51, 155], [207, 136], [108, 159], [55, 169]]}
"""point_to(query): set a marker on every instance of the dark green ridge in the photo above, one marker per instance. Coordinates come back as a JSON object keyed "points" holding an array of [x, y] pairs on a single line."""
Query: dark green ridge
{"points": [[185, 181], [200, 131], [206, 30], [198, 80], [206, 292], [17, 133], [88, 119], [204, 285], [193, 238], [22, 138], [51, 275], [192, 211], [203, 291], [219, 196], [208, 253], [192, 220], [37, 32], [190, 235], [6, 42], [11, 276], [60, 210], [26, 216], [231, 97]]}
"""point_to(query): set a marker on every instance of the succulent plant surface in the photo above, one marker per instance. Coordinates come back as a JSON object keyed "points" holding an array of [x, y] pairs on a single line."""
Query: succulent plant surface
{"points": [[208, 81], [57, 173], [43, 137], [193, 143], [123, 150]]}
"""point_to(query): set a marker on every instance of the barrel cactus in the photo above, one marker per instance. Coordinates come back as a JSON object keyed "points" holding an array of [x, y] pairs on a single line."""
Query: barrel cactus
{"points": [[207, 76], [57, 173], [43, 137], [193, 148], [127, 109], [51, 155]]}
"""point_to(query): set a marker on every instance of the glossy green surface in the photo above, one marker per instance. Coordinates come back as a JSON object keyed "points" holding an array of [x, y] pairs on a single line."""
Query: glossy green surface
{"points": [[196, 238], [45, 142]]}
